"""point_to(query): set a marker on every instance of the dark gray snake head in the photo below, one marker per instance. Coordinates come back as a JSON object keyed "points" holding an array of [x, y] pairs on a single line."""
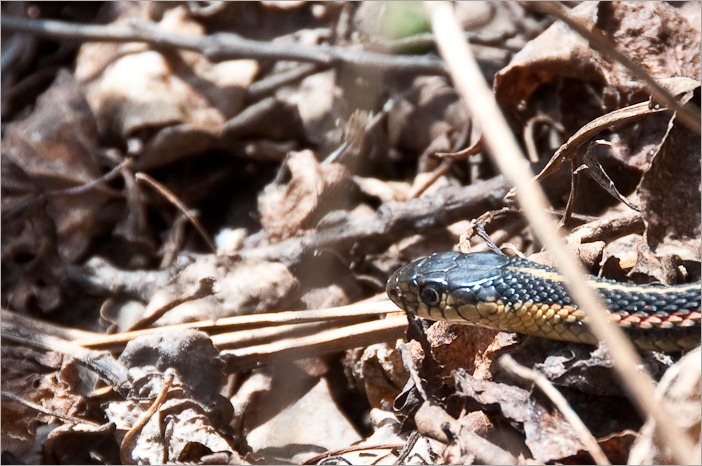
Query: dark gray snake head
{"points": [[434, 286]]}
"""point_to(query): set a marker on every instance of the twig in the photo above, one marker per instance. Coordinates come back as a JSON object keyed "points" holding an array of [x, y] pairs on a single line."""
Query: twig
{"points": [[173, 199], [434, 422], [43, 410], [263, 335], [225, 46], [39, 327], [249, 117], [598, 173], [268, 85], [394, 220], [407, 448], [513, 367], [464, 154], [529, 136], [318, 337], [437, 173], [410, 364], [689, 116], [16, 49], [505, 151], [205, 288], [233, 330], [102, 362], [353, 448], [607, 228], [351, 336], [426, 40], [128, 442], [447, 159], [96, 183], [570, 148], [239, 323]]}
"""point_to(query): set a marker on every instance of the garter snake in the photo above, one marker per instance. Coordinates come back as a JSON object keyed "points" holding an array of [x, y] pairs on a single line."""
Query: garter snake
{"points": [[516, 295]]}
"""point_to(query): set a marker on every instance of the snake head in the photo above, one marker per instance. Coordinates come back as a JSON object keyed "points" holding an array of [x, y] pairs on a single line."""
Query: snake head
{"points": [[436, 285], [415, 283]]}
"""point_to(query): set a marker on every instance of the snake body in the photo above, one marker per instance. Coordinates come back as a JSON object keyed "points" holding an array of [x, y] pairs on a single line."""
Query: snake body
{"points": [[516, 295]]}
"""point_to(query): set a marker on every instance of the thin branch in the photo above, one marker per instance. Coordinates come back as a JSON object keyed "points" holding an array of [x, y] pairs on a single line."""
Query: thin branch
{"points": [[35, 326], [350, 336], [268, 85], [393, 221], [205, 288], [607, 228], [260, 336], [528, 134], [173, 199], [226, 46], [43, 410], [570, 148], [96, 183], [353, 448], [129, 441], [437, 424], [102, 362], [307, 333], [232, 328]]}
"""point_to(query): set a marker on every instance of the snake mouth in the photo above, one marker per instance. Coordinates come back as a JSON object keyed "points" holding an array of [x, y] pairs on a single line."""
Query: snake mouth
{"points": [[393, 291], [401, 289], [393, 288]]}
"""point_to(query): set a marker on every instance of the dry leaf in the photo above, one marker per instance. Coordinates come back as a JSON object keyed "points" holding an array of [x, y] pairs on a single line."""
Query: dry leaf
{"points": [[548, 435], [49, 380], [669, 195], [32, 272], [287, 210], [135, 90], [301, 421], [192, 418], [56, 146], [679, 391]]}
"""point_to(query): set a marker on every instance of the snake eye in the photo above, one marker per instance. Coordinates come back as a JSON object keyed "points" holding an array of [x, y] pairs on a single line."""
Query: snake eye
{"points": [[430, 295]]}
